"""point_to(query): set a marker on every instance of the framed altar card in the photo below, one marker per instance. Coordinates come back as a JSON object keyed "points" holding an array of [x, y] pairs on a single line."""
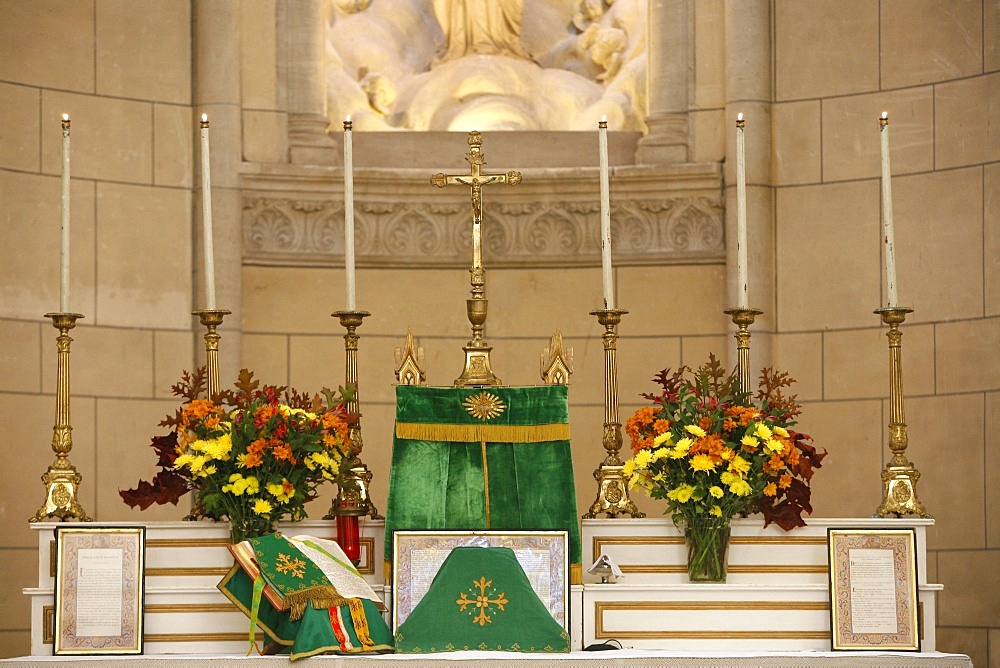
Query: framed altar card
{"points": [[873, 589], [417, 556], [99, 589]]}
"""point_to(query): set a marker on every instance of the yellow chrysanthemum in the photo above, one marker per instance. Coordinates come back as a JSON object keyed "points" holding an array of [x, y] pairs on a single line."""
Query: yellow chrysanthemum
{"points": [[681, 493], [262, 507], [762, 431], [664, 438], [628, 468], [715, 510], [716, 491], [739, 465], [643, 458], [682, 447], [219, 448], [780, 431], [660, 453], [728, 478], [279, 491], [695, 429], [774, 445], [750, 441], [740, 487], [702, 462]]}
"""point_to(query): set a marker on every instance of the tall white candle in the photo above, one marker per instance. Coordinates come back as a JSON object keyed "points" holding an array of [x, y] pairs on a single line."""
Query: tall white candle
{"points": [[349, 211], [887, 234], [741, 217], [609, 287], [206, 216], [64, 224]]}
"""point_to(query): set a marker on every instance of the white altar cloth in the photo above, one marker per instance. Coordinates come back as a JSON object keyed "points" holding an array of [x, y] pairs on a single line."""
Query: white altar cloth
{"points": [[607, 659]]}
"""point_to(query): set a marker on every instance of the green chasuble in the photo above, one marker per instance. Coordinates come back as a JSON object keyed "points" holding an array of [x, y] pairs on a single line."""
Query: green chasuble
{"points": [[306, 597], [481, 599], [483, 458]]}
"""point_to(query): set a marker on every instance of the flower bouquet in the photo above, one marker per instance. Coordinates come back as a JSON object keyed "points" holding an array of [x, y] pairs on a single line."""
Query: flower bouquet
{"points": [[253, 456], [715, 452]]}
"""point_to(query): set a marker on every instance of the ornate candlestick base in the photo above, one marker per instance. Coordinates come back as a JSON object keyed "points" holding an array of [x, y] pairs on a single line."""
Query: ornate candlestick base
{"points": [[612, 487], [212, 318], [899, 479], [62, 479], [352, 497], [743, 318], [478, 370]]}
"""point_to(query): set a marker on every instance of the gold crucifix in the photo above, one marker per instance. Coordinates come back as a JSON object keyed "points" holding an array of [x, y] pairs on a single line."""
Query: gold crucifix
{"points": [[478, 370]]}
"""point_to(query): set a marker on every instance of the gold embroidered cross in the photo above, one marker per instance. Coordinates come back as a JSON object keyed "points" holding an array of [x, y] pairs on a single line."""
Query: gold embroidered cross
{"points": [[482, 601], [289, 566]]}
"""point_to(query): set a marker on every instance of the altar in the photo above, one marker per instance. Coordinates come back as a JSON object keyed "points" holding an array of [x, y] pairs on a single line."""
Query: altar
{"points": [[773, 610]]}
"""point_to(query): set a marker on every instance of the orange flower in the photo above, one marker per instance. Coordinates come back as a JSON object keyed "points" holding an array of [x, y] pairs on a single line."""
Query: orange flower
{"points": [[770, 489], [257, 447], [284, 451], [774, 464], [785, 481], [661, 426]]}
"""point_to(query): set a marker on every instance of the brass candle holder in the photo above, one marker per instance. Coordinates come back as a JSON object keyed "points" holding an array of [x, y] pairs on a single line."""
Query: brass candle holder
{"points": [[353, 498], [612, 487], [899, 479], [62, 479], [211, 319], [743, 318]]}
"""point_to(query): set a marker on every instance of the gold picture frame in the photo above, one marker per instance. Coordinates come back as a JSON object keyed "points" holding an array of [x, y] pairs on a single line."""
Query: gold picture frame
{"points": [[99, 589], [417, 556], [873, 589]]}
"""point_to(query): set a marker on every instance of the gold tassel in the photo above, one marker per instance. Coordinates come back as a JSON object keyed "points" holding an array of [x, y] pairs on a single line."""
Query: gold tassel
{"points": [[474, 433], [319, 598]]}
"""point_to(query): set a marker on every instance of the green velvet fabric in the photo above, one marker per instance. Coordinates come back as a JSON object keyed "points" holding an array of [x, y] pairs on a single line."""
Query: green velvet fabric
{"points": [[439, 484], [481, 599]]}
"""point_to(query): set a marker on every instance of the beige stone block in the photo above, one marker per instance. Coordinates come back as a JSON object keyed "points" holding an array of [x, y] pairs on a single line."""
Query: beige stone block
{"points": [[144, 282], [20, 145], [106, 362], [31, 434], [971, 585], [173, 146], [20, 571], [30, 210], [430, 301], [991, 60], [991, 238], [21, 355], [852, 144], [144, 50], [825, 48], [14, 643], [267, 356], [994, 635], [259, 44], [173, 353], [992, 474], [856, 362], [110, 137], [709, 59], [939, 240], [125, 428], [957, 640], [639, 360], [963, 121], [265, 136], [696, 349], [848, 483], [927, 41], [676, 299], [798, 143], [48, 44], [536, 302], [708, 140], [314, 363], [961, 353], [801, 356], [828, 256], [946, 445]]}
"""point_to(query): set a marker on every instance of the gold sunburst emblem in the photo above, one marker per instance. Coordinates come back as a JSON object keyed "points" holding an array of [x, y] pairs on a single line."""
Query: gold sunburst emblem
{"points": [[484, 405]]}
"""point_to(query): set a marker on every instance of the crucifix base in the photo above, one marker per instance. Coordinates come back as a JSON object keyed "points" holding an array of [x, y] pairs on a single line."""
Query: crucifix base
{"points": [[478, 371], [899, 492], [612, 494]]}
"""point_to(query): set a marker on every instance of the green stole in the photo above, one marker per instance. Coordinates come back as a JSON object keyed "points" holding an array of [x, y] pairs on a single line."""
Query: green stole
{"points": [[492, 458]]}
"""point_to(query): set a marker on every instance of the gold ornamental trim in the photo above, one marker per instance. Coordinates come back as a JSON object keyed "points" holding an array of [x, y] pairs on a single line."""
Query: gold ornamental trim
{"points": [[733, 568], [476, 433], [600, 608], [188, 572], [168, 608], [484, 406], [189, 542]]}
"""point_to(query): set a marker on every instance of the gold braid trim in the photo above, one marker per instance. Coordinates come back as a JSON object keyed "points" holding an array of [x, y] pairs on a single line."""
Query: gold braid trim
{"points": [[491, 433], [360, 621], [319, 598]]}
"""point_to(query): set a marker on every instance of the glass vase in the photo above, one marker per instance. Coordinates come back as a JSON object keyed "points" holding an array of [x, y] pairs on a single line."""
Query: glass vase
{"points": [[254, 526], [707, 540]]}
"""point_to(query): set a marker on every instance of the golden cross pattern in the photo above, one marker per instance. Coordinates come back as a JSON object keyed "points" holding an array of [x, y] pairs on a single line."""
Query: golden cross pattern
{"points": [[291, 566], [476, 179], [482, 601]]}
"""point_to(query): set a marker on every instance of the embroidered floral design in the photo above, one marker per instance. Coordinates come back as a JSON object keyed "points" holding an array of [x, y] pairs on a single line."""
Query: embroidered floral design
{"points": [[291, 566]]}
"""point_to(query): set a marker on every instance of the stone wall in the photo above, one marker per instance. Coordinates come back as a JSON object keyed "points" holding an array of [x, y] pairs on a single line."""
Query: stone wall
{"points": [[135, 76]]}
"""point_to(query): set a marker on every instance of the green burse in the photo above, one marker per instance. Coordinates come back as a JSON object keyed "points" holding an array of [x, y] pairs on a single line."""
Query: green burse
{"points": [[483, 458], [481, 599], [306, 597]]}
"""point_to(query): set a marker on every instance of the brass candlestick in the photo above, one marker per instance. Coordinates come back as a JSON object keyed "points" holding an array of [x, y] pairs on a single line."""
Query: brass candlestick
{"points": [[353, 496], [743, 318], [212, 318], [612, 487], [61, 479], [899, 479]]}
